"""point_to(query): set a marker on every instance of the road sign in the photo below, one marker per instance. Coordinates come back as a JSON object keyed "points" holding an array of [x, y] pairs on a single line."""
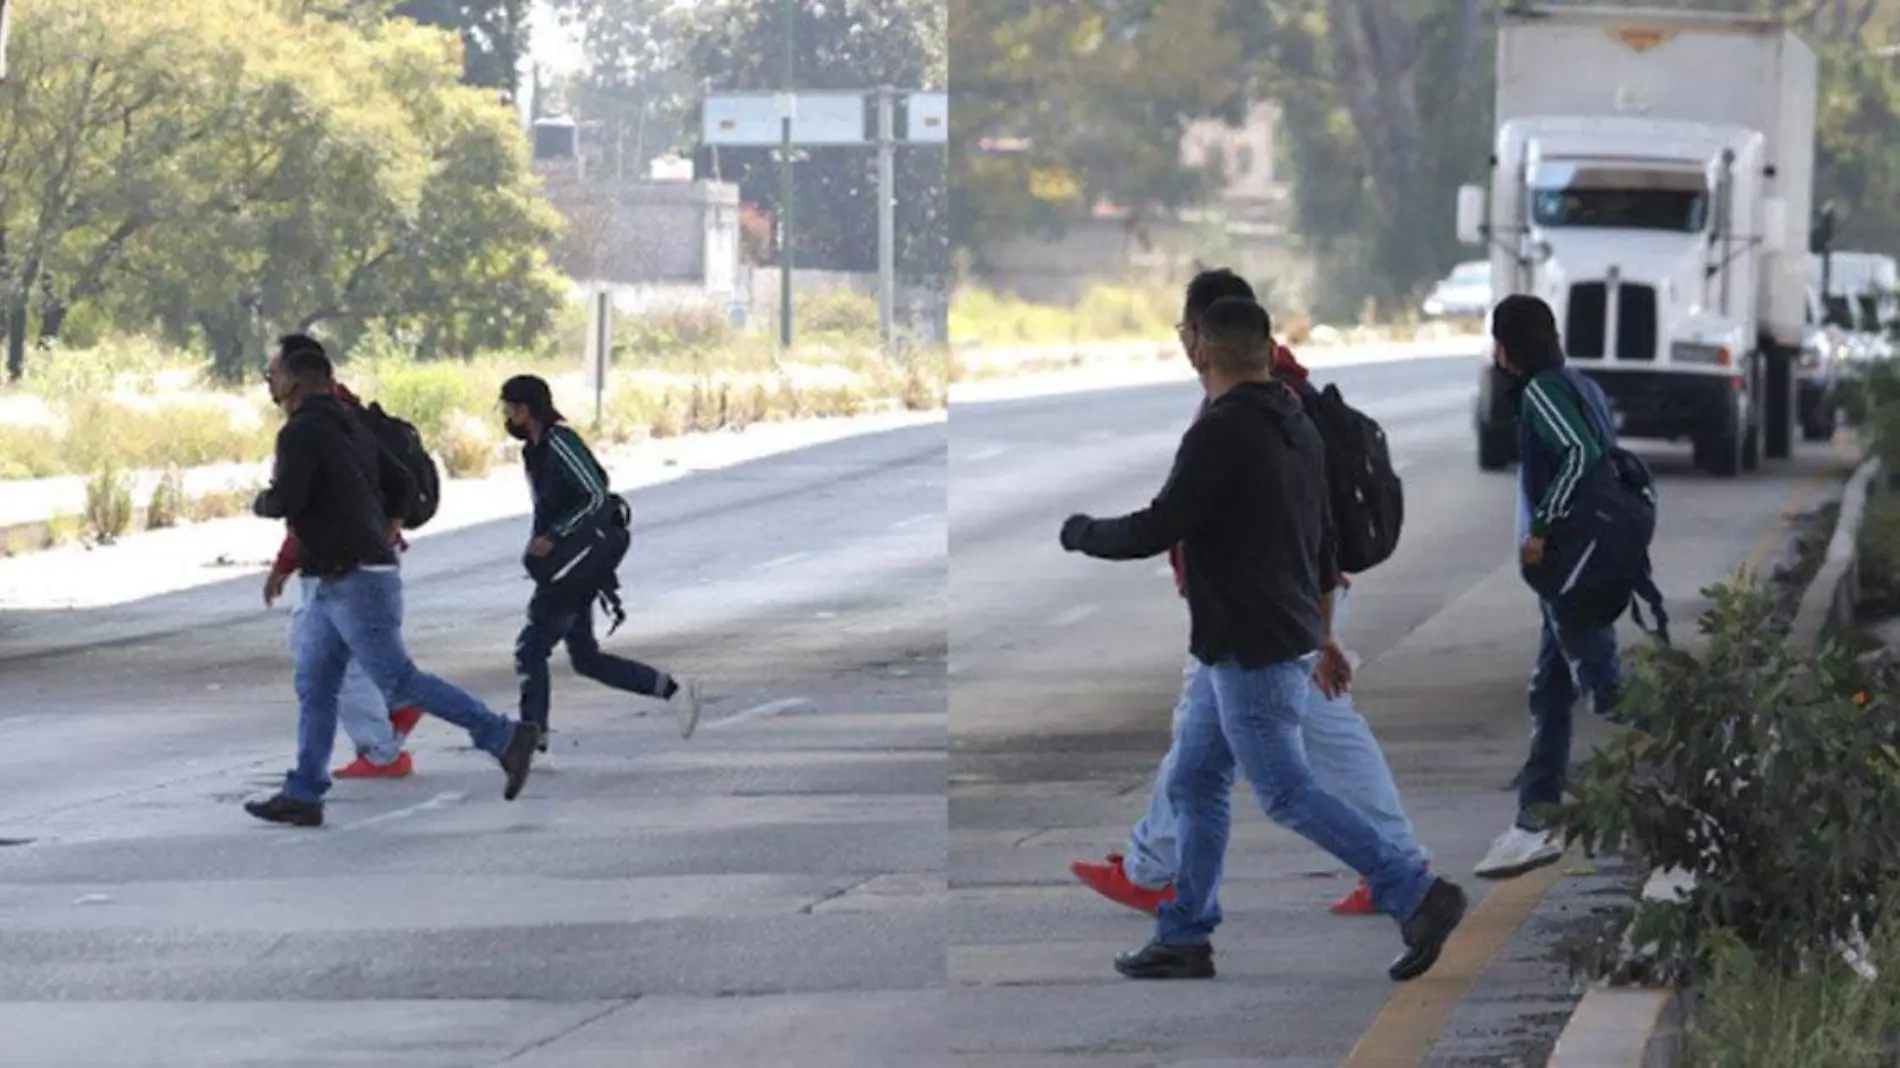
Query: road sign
{"points": [[756, 119], [928, 116]]}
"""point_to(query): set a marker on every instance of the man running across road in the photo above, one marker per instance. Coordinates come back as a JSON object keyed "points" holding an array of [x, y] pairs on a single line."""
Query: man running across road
{"points": [[1247, 498], [377, 733], [571, 507], [1345, 758], [340, 491]]}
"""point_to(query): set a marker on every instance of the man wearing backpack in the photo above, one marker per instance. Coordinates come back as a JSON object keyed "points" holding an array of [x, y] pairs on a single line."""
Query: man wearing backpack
{"points": [[377, 733], [344, 495], [579, 534], [1345, 757], [1566, 441], [1247, 497]]}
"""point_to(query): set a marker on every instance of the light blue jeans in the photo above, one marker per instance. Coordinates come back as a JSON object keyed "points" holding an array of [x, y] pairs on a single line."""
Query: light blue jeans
{"points": [[1341, 751], [358, 616], [1249, 718], [361, 709]]}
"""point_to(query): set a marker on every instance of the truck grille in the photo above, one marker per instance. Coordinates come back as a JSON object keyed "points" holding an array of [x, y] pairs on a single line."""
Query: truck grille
{"points": [[1586, 322]]}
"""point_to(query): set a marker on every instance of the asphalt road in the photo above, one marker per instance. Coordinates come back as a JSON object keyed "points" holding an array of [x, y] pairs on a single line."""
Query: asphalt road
{"points": [[770, 892], [1063, 670]]}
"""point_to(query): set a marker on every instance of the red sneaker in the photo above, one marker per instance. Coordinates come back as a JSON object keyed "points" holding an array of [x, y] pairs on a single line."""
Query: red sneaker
{"points": [[1111, 881], [1357, 903], [404, 720], [360, 768]]}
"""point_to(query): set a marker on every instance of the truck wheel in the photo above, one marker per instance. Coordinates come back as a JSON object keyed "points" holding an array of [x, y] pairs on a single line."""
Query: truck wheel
{"points": [[1495, 448], [1751, 449], [1819, 424], [1720, 450]]}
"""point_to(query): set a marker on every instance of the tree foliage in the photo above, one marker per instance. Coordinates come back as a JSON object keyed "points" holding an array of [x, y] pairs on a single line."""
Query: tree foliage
{"points": [[637, 79], [494, 35], [229, 168]]}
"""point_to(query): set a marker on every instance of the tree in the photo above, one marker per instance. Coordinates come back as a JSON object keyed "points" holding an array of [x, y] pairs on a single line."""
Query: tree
{"points": [[738, 45], [234, 167], [637, 80], [494, 35]]}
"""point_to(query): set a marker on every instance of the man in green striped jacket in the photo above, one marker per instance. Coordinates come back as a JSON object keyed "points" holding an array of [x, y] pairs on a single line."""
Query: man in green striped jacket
{"points": [[570, 499]]}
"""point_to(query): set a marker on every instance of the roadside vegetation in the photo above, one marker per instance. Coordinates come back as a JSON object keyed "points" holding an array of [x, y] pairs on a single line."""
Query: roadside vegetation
{"points": [[1771, 776]]}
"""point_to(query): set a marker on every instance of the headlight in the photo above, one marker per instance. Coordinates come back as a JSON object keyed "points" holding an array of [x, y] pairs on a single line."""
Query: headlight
{"points": [[1695, 352], [1434, 306]]}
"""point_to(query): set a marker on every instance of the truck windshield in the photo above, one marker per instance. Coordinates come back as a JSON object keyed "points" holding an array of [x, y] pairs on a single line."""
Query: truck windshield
{"points": [[1678, 210]]}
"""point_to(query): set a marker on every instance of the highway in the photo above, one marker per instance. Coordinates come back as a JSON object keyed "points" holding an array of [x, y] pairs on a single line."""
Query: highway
{"points": [[771, 891], [1063, 670]]}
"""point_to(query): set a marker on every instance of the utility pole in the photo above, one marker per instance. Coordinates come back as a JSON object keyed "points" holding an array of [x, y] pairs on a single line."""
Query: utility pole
{"points": [[886, 215], [786, 188]]}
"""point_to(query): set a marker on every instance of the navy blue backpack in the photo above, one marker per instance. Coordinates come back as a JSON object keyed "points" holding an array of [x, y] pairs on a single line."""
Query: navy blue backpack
{"points": [[1596, 559]]}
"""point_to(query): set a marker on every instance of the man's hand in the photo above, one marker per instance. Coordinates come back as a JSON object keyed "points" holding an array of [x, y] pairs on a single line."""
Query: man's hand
{"points": [[1333, 671], [1072, 529], [274, 586], [1345, 581], [395, 532], [540, 547], [1532, 550]]}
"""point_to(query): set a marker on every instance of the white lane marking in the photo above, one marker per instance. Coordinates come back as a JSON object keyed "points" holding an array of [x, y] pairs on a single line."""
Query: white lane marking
{"points": [[15, 721], [905, 524], [1074, 615], [988, 452], [766, 710], [781, 561], [438, 801]]}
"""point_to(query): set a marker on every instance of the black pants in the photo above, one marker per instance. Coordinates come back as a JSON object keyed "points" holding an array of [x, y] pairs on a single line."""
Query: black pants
{"points": [[552, 622]]}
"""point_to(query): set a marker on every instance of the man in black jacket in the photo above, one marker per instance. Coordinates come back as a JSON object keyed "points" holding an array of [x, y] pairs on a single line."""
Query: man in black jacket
{"points": [[338, 490], [1247, 499], [572, 511]]}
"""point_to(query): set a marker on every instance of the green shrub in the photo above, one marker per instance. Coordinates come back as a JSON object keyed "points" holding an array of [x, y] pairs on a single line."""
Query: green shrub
{"points": [[1770, 775], [167, 505], [108, 505], [1750, 1015], [1880, 556], [838, 315]]}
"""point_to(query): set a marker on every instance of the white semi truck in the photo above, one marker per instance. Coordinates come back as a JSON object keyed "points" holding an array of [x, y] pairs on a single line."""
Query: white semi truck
{"points": [[1652, 179]]}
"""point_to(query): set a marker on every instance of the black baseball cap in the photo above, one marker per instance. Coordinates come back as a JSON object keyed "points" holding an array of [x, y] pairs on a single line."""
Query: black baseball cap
{"points": [[532, 391]]}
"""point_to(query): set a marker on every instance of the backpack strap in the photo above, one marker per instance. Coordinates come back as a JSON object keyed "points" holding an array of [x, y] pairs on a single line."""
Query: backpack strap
{"points": [[1646, 592], [609, 597]]}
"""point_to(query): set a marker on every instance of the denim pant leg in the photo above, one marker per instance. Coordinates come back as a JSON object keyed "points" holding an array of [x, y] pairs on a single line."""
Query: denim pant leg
{"points": [[1152, 851], [1199, 784], [366, 608], [621, 673], [322, 657], [1570, 662], [361, 710], [548, 626], [1260, 712]]}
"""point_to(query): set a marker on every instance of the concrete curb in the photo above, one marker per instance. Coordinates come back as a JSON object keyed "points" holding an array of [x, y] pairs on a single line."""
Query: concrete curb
{"points": [[1621, 1027]]}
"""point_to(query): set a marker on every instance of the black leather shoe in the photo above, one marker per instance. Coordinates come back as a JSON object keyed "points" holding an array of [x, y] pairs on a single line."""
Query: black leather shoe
{"points": [[518, 759], [287, 810], [1429, 929], [1157, 960]]}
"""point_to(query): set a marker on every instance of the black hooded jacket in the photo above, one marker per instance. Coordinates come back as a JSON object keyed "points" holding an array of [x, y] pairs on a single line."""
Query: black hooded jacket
{"points": [[1247, 497], [337, 488]]}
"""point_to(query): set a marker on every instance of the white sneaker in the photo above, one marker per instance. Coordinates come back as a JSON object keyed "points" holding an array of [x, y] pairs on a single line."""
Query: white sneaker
{"points": [[1518, 851], [687, 705]]}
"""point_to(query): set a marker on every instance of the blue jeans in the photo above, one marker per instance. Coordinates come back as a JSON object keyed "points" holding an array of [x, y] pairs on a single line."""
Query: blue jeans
{"points": [[1569, 663], [1250, 719], [1341, 751], [360, 705], [358, 616]]}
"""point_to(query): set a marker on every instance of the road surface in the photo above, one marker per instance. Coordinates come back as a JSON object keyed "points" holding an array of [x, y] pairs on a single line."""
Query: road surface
{"points": [[1062, 673], [770, 892]]}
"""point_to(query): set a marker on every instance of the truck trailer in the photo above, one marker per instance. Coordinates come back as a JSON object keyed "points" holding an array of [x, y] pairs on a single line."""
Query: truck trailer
{"points": [[1651, 178]]}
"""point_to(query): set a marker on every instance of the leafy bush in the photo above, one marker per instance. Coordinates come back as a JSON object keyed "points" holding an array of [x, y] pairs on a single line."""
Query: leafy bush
{"points": [[671, 332], [167, 505], [1750, 1015], [108, 505], [1770, 775], [837, 314], [1880, 556]]}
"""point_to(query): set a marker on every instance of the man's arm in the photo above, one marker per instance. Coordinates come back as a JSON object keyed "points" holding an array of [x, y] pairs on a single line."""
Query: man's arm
{"points": [[293, 473], [575, 466], [1558, 422], [1190, 494]]}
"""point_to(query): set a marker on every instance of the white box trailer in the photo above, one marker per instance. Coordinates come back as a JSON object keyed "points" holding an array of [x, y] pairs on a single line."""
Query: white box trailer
{"points": [[1652, 179]]}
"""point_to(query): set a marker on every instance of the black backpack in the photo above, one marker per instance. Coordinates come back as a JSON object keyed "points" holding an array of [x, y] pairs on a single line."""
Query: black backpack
{"points": [[403, 441], [1367, 495], [585, 565]]}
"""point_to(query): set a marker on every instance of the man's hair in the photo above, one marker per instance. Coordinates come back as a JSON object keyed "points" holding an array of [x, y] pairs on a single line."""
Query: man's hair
{"points": [[1234, 336], [1204, 290], [304, 360], [1527, 329]]}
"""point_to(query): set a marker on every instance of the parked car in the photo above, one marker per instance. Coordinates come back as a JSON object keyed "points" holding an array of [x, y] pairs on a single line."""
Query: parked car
{"points": [[1465, 293]]}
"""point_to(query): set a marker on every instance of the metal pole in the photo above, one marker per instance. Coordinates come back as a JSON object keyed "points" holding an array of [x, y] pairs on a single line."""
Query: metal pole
{"points": [[786, 189], [886, 216]]}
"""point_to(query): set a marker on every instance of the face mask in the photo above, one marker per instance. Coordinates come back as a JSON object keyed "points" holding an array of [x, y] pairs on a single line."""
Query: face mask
{"points": [[519, 433]]}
